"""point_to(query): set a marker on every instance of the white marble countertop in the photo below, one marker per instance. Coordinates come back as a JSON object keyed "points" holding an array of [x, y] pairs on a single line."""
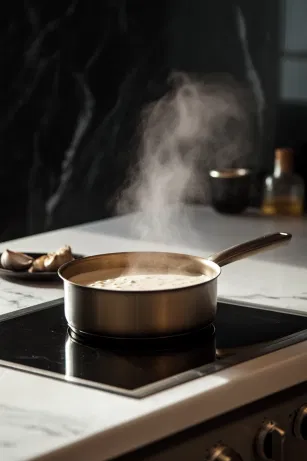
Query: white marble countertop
{"points": [[275, 278], [40, 416]]}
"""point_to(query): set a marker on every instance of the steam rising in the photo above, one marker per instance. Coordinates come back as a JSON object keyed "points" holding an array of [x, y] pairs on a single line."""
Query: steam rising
{"points": [[197, 126]]}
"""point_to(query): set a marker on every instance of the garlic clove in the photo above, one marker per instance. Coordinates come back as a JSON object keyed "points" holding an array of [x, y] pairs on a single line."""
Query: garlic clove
{"points": [[15, 261], [38, 264], [55, 260]]}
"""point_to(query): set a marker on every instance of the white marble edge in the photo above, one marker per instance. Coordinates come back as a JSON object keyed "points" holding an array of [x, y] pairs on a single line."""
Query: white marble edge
{"points": [[69, 422]]}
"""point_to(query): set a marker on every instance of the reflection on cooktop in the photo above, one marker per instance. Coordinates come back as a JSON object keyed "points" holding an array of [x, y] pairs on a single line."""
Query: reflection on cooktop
{"points": [[136, 366], [139, 344], [44, 345]]}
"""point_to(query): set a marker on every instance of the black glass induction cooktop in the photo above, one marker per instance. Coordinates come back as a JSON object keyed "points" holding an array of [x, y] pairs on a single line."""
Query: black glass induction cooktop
{"points": [[38, 340]]}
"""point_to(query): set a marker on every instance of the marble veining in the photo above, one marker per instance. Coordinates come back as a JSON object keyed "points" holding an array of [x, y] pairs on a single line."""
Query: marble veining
{"points": [[26, 427], [14, 296], [78, 76], [255, 296], [40, 422]]}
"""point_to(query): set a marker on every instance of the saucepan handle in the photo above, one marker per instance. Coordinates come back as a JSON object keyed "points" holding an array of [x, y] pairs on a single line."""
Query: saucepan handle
{"points": [[246, 249]]}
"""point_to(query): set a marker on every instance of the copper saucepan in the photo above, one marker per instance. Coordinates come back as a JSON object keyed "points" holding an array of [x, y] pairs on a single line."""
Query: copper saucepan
{"points": [[150, 313]]}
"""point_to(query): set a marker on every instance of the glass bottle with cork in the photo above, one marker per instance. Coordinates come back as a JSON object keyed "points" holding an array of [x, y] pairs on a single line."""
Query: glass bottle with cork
{"points": [[283, 190]]}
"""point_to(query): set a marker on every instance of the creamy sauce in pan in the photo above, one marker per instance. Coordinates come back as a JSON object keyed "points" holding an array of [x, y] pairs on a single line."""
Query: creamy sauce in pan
{"points": [[150, 282]]}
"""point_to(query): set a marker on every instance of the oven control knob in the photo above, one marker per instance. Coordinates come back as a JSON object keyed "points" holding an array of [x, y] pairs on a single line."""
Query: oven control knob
{"points": [[223, 453], [300, 423], [270, 442]]}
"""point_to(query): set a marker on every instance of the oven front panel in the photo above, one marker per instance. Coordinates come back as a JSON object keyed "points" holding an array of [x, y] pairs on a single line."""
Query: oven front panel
{"points": [[272, 428]]}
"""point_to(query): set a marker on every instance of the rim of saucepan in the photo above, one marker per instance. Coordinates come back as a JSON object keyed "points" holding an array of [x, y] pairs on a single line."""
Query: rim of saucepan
{"points": [[133, 292]]}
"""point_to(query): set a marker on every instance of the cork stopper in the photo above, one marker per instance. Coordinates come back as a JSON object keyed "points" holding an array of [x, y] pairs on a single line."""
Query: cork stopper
{"points": [[284, 158]]}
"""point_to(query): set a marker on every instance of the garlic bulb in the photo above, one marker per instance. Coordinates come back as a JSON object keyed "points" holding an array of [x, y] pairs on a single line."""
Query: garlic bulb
{"points": [[15, 261]]}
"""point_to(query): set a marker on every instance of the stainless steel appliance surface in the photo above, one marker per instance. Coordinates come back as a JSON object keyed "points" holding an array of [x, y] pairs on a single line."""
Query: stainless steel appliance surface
{"points": [[273, 428]]}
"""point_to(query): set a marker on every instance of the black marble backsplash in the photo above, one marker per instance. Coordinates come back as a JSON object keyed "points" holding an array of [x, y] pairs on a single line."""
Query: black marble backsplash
{"points": [[76, 76]]}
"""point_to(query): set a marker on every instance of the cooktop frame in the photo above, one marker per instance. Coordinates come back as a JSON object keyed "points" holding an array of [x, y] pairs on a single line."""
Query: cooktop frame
{"points": [[246, 354]]}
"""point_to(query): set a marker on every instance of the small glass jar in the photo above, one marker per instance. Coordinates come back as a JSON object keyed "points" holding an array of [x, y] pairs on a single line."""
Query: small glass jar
{"points": [[283, 192]]}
